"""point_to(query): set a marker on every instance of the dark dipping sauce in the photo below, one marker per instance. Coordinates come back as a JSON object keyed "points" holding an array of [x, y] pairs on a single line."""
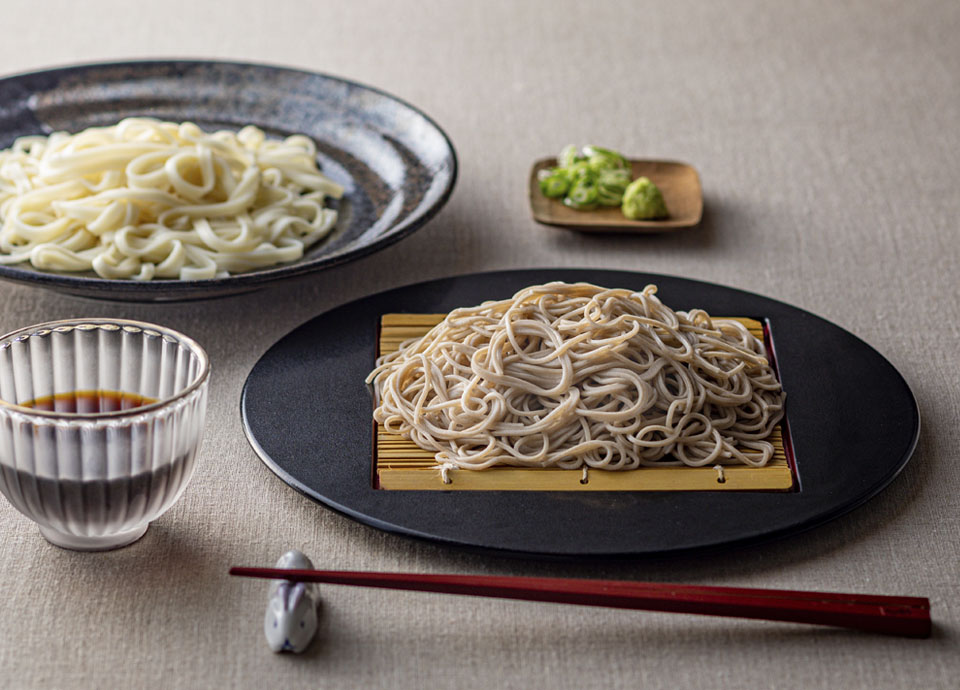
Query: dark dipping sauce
{"points": [[97, 506], [89, 402]]}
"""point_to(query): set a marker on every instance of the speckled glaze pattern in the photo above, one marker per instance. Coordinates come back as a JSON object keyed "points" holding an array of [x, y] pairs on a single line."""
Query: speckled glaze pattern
{"points": [[397, 166]]}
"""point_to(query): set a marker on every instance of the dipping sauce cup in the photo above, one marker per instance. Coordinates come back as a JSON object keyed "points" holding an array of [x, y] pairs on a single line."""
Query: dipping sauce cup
{"points": [[100, 423]]}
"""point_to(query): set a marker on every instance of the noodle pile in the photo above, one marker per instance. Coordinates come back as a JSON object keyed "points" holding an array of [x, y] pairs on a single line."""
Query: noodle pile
{"points": [[147, 199], [573, 375]]}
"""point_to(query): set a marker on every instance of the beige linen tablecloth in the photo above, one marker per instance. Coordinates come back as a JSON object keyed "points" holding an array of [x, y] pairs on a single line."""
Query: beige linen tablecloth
{"points": [[826, 135]]}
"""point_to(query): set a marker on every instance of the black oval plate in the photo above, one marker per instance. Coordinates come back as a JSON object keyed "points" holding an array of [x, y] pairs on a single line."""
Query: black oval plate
{"points": [[397, 165], [853, 420]]}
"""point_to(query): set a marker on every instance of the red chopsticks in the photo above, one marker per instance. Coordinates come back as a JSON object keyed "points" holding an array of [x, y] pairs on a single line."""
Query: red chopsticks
{"points": [[891, 615]]}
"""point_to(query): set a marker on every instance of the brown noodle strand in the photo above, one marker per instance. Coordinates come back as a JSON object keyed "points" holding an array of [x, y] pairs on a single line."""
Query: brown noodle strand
{"points": [[575, 375]]}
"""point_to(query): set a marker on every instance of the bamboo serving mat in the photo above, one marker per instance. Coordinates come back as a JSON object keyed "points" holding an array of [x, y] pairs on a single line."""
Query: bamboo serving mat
{"points": [[401, 465]]}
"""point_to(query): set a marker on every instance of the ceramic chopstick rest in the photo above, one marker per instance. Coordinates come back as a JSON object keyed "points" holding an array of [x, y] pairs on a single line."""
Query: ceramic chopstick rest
{"points": [[290, 622]]}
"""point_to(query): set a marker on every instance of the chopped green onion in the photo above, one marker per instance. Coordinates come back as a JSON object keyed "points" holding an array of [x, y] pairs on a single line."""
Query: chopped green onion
{"points": [[611, 185], [605, 158], [582, 196], [598, 176], [568, 156], [554, 182], [582, 171], [614, 178]]}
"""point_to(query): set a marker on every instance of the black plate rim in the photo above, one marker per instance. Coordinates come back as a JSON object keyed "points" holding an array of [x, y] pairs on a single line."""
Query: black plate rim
{"points": [[101, 288], [707, 547]]}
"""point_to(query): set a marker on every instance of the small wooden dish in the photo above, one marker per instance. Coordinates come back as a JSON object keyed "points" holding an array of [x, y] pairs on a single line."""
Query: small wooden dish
{"points": [[679, 183]]}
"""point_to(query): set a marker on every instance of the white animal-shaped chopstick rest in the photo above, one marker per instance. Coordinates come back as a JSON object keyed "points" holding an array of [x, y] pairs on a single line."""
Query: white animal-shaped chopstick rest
{"points": [[291, 619]]}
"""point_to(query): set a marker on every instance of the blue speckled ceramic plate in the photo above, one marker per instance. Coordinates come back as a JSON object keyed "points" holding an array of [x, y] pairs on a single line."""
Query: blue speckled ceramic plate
{"points": [[397, 165]]}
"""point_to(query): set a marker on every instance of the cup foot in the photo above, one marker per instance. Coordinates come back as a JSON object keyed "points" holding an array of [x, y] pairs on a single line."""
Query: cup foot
{"points": [[75, 543]]}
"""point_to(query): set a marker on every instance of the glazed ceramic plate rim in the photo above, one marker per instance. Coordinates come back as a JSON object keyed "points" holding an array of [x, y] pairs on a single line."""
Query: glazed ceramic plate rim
{"points": [[328, 457], [589, 222], [177, 290]]}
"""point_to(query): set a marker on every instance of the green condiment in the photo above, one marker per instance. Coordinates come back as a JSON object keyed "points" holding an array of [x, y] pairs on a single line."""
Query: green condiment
{"points": [[642, 200], [568, 156], [611, 184], [554, 182], [604, 158], [584, 180], [583, 195], [598, 176]]}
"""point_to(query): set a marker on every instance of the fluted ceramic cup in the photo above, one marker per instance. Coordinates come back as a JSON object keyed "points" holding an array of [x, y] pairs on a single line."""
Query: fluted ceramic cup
{"points": [[93, 480]]}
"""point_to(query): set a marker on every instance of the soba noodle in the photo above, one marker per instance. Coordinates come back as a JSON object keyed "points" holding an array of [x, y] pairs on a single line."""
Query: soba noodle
{"points": [[573, 375], [145, 199]]}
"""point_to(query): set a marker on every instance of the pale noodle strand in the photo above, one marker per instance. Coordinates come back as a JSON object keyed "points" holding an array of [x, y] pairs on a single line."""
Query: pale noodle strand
{"points": [[147, 199], [577, 376]]}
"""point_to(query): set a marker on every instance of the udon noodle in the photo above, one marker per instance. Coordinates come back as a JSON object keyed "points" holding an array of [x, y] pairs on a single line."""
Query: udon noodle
{"points": [[574, 375], [145, 199]]}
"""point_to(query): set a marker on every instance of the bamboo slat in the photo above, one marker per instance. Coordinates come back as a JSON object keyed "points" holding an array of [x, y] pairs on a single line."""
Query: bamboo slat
{"points": [[401, 465]]}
